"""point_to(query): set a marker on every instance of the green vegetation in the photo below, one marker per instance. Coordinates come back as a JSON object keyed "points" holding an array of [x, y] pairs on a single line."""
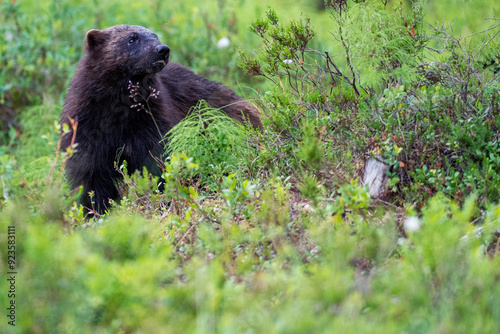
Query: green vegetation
{"points": [[268, 232], [218, 142]]}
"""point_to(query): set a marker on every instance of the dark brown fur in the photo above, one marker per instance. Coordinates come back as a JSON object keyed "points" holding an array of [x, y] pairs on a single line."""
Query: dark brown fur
{"points": [[112, 126]]}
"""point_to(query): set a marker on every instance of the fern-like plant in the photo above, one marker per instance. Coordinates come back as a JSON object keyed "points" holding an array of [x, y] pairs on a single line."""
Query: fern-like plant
{"points": [[215, 141]]}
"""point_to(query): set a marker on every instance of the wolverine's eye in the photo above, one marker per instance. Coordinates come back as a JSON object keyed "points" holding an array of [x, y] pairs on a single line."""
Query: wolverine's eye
{"points": [[132, 39]]}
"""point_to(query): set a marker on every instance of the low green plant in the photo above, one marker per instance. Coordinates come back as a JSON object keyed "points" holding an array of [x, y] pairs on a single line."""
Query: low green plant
{"points": [[215, 141], [210, 275], [311, 150], [237, 195]]}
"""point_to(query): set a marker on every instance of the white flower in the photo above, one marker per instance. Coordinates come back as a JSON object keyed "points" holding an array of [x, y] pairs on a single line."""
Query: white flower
{"points": [[223, 43], [8, 36], [412, 224], [288, 61]]}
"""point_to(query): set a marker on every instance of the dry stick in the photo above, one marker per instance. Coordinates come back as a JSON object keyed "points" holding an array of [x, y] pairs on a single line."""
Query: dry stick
{"points": [[159, 162], [493, 79], [306, 72], [348, 59], [148, 111], [334, 84], [290, 76], [193, 225], [337, 72], [185, 234], [484, 31]]}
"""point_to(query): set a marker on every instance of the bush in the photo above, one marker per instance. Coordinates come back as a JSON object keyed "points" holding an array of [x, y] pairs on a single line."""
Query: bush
{"points": [[434, 122]]}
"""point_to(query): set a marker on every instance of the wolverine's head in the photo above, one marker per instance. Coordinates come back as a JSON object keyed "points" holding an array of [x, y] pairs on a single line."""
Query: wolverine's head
{"points": [[129, 50]]}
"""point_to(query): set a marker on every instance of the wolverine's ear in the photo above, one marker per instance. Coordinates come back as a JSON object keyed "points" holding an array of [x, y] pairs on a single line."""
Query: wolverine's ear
{"points": [[94, 38]]}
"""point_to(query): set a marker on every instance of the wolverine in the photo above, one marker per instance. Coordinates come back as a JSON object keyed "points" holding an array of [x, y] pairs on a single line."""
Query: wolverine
{"points": [[124, 97]]}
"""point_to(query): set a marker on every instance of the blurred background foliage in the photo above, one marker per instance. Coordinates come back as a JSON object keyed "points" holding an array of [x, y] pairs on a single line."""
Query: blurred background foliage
{"points": [[284, 238]]}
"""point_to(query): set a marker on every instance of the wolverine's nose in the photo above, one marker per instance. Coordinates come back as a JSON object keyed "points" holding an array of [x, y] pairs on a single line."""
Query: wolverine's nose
{"points": [[163, 50]]}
